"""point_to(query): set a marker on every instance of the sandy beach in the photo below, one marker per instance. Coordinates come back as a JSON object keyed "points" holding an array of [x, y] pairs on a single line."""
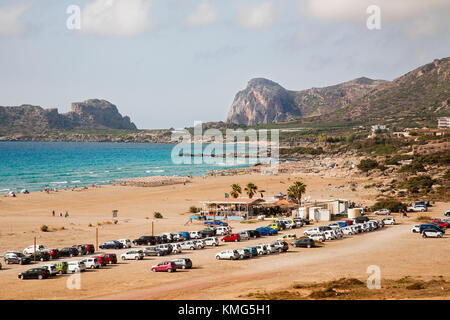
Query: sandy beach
{"points": [[396, 250]]}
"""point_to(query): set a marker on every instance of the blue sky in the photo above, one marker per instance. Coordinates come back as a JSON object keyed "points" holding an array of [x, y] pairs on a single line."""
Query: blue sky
{"points": [[166, 63]]}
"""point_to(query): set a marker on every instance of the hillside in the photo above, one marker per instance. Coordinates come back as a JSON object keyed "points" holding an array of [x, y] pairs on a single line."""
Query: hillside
{"points": [[90, 114]]}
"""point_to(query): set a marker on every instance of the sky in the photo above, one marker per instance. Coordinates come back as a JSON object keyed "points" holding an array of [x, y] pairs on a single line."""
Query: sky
{"points": [[168, 63]]}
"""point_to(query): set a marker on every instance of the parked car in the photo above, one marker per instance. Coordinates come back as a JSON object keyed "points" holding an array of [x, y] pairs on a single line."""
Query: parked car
{"points": [[416, 228], [188, 245], [185, 235], [431, 233], [89, 247], [125, 242], [253, 251], [265, 231], [166, 266], [176, 248], [61, 267], [154, 251], [320, 237], [227, 254], [35, 273], [51, 268], [389, 220], [303, 242], [167, 247], [216, 222], [223, 230], [195, 235], [199, 243], [262, 249], [298, 222], [440, 223], [382, 212], [145, 240], [208, 232], [16, 257], [91, 263], [40, 256], [254, 234], [244, 235], [329, 235], [111, 245], [75, 267], [416, 209], [287, 237], [281, 246], [110, 258], [271, 248], [211, 241], [348, 230], [68, 252], [447, 213], [102, 260], [290, 223], [183, 263], [82, 250], [53, 253], [275, 226], [132, 255], [233, 237], [244, 253], [30, 249], [430, 226]]}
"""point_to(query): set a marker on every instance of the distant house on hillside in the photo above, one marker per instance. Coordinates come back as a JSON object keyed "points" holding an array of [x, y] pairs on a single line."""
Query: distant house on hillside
{"points": [[444, 122], [379, 127]]}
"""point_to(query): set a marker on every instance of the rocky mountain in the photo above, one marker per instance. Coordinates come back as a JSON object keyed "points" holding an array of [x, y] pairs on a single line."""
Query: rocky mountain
{"points": [[265, 101], [90, 114], [424, 91]]}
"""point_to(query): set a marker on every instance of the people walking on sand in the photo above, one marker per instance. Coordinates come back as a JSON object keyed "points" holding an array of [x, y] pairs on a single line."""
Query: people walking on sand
{"points": [[60, 214], [53, 213], [66, 215]]}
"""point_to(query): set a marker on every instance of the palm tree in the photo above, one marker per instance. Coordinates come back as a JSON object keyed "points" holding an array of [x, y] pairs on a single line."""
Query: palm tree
{"points": [[235, 190], [251, 189], [296, 190]]}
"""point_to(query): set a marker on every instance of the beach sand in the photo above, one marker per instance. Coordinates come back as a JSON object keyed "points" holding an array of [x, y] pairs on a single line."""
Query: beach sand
{"points": [[395, 249]]}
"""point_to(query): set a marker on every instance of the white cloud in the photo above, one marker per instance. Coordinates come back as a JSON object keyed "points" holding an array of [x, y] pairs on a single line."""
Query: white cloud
{"points": [[203, 15], [10, 19], [116, 17], [257, 16]]}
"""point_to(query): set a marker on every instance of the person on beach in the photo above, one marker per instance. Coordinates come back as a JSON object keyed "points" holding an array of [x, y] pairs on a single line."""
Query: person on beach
{"points": [[53, 213], [60, 214], [67, 214]]}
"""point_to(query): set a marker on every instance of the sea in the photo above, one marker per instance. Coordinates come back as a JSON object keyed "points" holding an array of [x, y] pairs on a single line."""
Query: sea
{"points": [[34, 166]]}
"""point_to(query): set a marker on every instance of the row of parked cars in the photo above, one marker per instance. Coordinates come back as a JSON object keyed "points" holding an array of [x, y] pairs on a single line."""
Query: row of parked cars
{"points": [[253, 251], [434, 229]]}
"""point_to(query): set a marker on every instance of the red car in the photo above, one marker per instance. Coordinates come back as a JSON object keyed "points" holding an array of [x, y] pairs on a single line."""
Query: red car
{"points": [[440, 223], [166, 266], [54, 253], [89, 248], [101, 259], [110, 258], [349, 222], [231, 237]]}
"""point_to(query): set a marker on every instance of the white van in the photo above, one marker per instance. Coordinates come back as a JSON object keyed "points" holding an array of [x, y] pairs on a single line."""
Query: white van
{"points": [[221, 231], [91, 263], [75, 266], [126, 243], [30, 249], [195, 235]]}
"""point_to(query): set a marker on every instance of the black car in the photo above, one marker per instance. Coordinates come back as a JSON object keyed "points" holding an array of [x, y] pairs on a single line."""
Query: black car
{"points": [[16, 257], [183, 263], [208, 232], [361, 219], [145, 240], [160, 239], [254, 233], [68, 252], [282, 225], [303, 242], [40, 256], [35, 273], [82, 249], [305, 221], [324, 228]]}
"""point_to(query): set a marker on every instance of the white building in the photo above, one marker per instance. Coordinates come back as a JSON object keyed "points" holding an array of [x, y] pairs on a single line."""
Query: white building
{"points": [[444, 122], [379, 127]]}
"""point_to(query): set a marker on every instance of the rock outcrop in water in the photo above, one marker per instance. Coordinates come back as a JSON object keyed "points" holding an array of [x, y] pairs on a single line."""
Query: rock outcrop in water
{"points": [[90, 114]]}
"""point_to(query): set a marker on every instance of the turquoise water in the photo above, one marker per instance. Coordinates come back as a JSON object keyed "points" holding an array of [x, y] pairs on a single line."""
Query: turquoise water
{"points": [[36, 165]]}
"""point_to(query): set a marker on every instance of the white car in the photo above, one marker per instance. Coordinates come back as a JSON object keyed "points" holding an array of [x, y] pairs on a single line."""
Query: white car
{"points": [[389, 220], [91, 263], [244, 253], [261, 249], [382, 212], [287, 237], [195, 235], [244, 235], [221, 231], [430, 233], [311, 231], [132, 255], [30, 249], [211, 241], [289, 223], [188, 245], [317, 237], [298, 222], [51, 268], [416, 229], [75, 267], [227, 254], [176, 248], [416, 209], [329, 235], [199, 243], [126, 243], [348, 230], [271, 248]]}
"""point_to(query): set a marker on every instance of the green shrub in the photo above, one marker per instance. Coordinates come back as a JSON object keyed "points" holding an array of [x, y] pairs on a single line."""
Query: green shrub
{"points": [[393, 205], [367, 164], [194, 209], [44, 228], [418, 184], [414, 167], [157, 215]]}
